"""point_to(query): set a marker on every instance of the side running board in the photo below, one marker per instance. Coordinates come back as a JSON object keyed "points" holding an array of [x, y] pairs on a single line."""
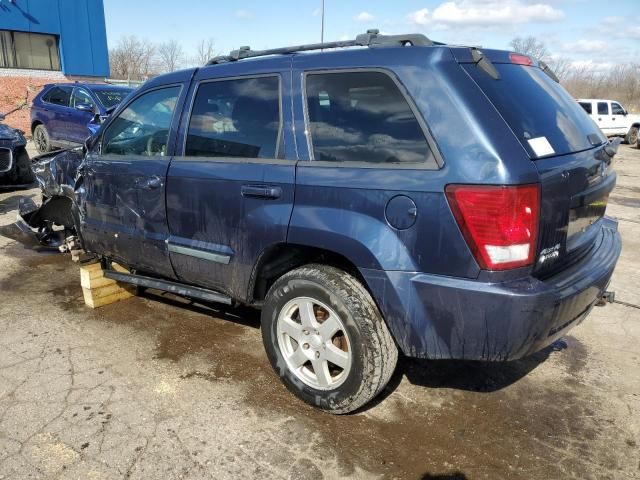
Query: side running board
{"points": [[167, 286]]}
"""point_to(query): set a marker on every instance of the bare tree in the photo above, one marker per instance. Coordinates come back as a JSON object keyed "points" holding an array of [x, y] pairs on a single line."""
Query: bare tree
{"points": [[133, 59], [170, 56], [205, 51], [530, 46]]}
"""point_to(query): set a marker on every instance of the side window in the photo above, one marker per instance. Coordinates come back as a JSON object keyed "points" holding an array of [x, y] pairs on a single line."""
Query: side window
{"points": [[58, 96], [236, 118], [81, 96], [143, 127], [363, 117], [603, 108], [616, 109], [587, 107]]}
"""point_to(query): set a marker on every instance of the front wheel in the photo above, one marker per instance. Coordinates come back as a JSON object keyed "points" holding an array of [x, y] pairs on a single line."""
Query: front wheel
{"points": [[41, 139], [326, 339], [632, 136]]}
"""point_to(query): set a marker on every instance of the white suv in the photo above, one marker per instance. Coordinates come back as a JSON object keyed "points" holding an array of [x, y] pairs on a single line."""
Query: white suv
{"points": [[612, 118]]}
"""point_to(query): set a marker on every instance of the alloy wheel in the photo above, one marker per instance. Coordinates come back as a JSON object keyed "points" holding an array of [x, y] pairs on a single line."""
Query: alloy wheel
{"points": [[314, 343]]}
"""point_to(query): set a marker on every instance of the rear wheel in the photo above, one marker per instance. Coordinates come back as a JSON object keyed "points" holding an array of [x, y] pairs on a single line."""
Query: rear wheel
{"points": [[41, 139], [326, 339], [632, 136]]}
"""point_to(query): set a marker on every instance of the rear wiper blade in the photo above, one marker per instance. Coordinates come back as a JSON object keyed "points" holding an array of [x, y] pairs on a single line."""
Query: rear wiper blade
{"points": [[550, 73], [484, 64]]}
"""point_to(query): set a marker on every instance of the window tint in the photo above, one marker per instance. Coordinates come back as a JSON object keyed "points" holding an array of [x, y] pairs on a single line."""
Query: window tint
{"points": [[616, 109], [587, 107], [603, 108], [235, 118], [59, 96], [81, 96], [28, 50], [363, 117], [143, 127]]}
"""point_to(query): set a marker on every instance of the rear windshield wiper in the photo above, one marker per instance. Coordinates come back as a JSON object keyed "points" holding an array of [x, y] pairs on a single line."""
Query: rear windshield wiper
{"points": [[484, 64]]}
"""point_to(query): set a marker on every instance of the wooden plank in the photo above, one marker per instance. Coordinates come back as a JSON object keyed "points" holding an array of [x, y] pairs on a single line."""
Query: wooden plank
{"points": [[98, 290]]}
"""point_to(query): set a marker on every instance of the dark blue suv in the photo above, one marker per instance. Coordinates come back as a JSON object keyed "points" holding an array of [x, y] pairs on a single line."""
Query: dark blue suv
{"points": [[442, 201], [61, 114]]}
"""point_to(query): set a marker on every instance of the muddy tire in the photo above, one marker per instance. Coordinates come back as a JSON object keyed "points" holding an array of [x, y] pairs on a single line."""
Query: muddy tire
{"points": [[41, 139], [632, 136], [24, 172], [326, 338]]}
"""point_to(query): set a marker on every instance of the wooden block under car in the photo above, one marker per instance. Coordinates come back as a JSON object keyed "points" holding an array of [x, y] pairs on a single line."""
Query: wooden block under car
{"points": [[98, 290]]}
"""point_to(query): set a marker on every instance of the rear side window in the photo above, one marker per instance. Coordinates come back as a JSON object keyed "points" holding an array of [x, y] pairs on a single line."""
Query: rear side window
{"points": [[58, 96], [586, 107], [236, 118], [603, 108], [363, 117], [543, 116]]}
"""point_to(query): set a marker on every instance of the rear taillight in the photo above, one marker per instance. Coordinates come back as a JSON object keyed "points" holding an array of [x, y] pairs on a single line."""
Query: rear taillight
{"points": [[519, 59], [499, 223]]}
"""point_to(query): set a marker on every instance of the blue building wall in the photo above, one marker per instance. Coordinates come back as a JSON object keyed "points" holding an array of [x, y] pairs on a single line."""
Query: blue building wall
{"points": [[79, 24]]}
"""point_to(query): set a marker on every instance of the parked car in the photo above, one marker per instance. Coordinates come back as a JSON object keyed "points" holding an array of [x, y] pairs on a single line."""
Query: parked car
{"points": [[412, 197], [612, 118], [61, 114], [15, 165]]}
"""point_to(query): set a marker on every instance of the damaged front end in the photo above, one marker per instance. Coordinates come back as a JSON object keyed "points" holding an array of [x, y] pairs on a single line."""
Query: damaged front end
{"points": [[55, 220]]}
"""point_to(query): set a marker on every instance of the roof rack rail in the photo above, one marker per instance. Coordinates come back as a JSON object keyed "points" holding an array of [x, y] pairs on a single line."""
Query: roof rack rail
{"points": [[370, 39]]}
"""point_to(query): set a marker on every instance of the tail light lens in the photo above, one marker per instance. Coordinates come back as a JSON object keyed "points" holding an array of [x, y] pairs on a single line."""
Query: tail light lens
{"points": [[499, 223], [519, 59]]}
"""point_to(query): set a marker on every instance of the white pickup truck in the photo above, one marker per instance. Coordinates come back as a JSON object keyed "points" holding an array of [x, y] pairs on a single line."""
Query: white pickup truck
{"points": [[612, 118]]}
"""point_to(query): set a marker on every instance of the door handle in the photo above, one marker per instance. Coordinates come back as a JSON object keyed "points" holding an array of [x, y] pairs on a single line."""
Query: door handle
{"points": [[261, 191], [150, 183]]}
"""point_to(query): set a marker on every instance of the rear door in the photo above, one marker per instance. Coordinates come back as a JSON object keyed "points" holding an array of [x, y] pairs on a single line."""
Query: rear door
{"points": [[567, 149], [124, 182], [57, 105], [230, 190], [604, 118]]}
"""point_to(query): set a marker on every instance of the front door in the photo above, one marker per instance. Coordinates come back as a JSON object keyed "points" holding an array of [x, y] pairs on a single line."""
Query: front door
{"points": [[230, 192], [618, 119], [79, 119], [124, 183]]}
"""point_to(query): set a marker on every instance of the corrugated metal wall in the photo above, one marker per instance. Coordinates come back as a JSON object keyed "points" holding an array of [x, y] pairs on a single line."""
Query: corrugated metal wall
{"points": [[80, 25]]}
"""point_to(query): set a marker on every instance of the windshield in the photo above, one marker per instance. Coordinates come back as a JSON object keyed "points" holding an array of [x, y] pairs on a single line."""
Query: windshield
{"points": [[111, 98], [542, 114]]}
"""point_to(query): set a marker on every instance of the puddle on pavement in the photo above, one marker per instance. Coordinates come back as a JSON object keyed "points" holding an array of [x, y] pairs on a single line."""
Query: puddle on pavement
{"points": [[438, 419]]}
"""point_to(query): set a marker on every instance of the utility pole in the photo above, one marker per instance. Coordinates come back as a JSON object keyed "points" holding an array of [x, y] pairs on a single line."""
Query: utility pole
{"points": [[322, 27]]}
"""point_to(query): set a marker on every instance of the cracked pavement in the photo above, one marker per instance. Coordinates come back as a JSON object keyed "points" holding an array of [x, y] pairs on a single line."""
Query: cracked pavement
{"points": [[160, 387]]}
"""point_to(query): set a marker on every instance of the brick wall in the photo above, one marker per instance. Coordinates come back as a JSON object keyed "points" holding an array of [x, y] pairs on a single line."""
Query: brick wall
{"points": [[18, 89]]}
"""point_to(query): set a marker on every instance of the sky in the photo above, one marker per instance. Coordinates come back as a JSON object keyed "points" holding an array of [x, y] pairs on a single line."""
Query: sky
{"points": [[601, 33]]}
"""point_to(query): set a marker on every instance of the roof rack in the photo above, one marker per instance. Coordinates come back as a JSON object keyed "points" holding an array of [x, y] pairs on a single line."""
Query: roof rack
{"points": [[370, 39]]}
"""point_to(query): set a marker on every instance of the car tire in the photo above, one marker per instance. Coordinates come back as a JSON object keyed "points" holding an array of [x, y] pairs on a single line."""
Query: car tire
{"points": [[23, 169], [632, 136], [41, 139], [303, 352]]}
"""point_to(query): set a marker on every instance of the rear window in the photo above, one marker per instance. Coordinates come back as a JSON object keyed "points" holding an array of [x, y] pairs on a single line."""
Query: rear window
{"points": [[542, 114]]}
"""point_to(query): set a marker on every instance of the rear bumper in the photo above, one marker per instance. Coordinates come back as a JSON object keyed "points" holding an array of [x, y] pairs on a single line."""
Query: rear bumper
{"points": [[440, 317]]}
